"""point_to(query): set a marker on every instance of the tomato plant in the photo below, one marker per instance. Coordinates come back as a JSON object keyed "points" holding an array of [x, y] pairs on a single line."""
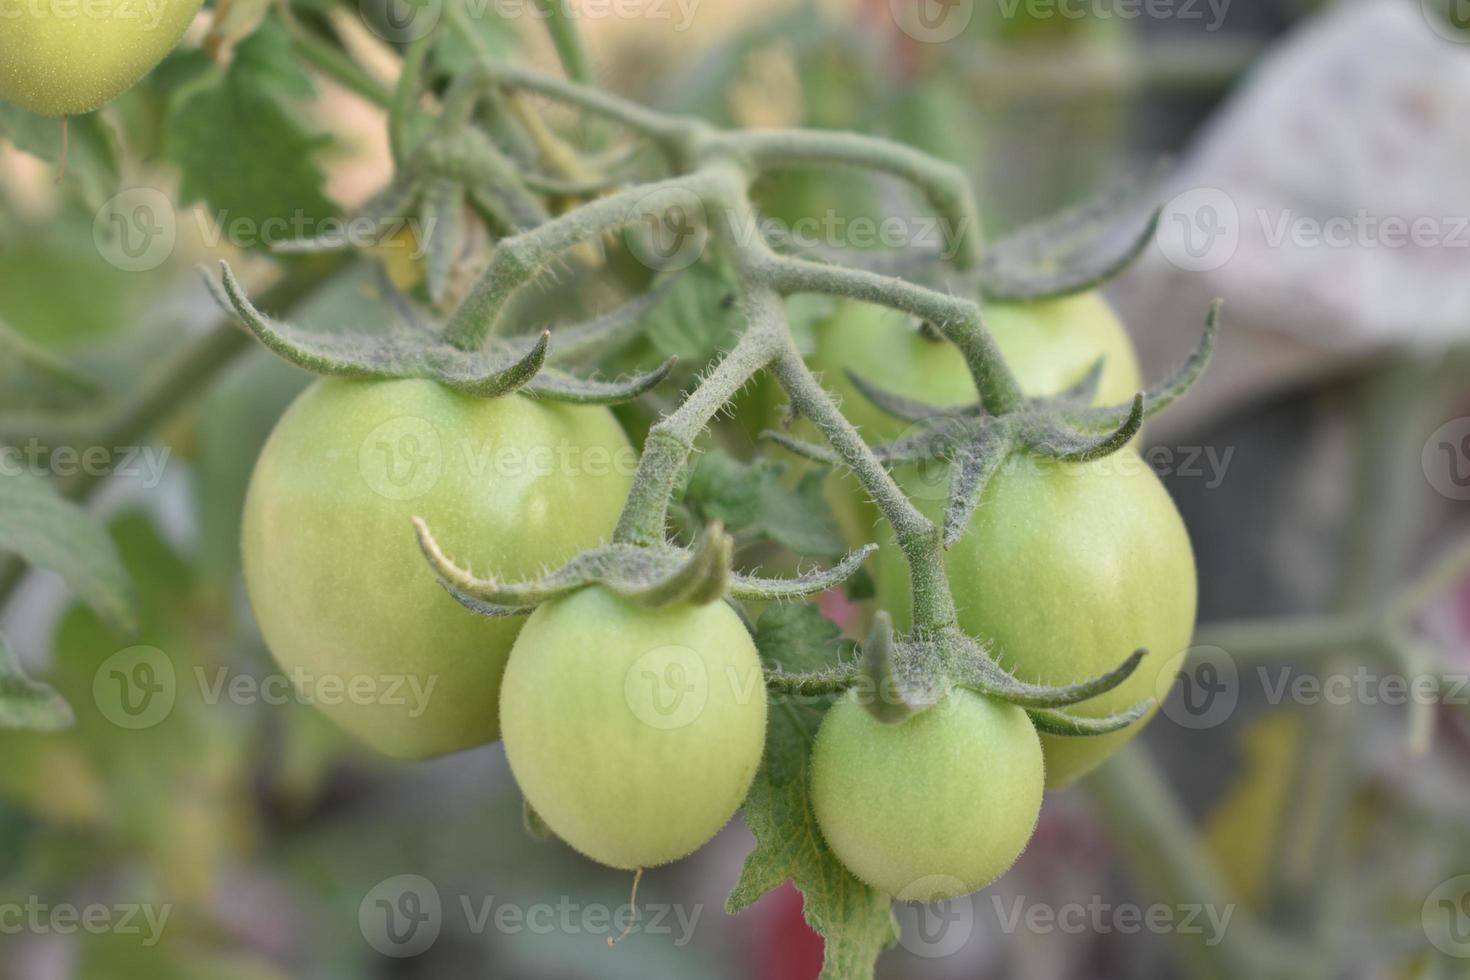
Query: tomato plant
{"points": [[935, 806], [1064, 570], [59, 60], [634, 732], [330, 557]]}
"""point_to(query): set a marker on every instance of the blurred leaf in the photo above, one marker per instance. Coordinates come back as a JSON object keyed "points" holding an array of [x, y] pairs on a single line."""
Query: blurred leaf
{"points": [[27, 705], [32, 379], [700, 316], [241, 148], [92, 151], [48, 531], [855, 920], [1241, 831], [753, 500]]}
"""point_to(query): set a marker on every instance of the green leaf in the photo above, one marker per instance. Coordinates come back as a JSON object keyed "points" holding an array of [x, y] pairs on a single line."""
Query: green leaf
{"points": [[34, 380], [753, 500], [92, 152], [856, 921], [699, 317], [25, 704], [244, 152], [48, 531]]}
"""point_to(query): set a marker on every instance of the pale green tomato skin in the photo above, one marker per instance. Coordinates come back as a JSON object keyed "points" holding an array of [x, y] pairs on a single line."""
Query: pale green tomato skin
{"points": [[1049, 345], [1064, 571], [332, 566], [937, 806], [66, 59], [634, 733]]}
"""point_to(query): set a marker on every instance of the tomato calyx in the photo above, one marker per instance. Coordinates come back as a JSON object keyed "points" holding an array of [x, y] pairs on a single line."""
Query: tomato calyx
{"points": [[418, 350], [972, 444], [657, 577]]}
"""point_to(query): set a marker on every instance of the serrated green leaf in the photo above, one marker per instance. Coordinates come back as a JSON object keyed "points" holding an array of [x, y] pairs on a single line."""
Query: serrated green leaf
{"points": [[856, 921], [34, 380], [243, 151], [50, 532], [92, 151], [26, 704], [753, 499]]}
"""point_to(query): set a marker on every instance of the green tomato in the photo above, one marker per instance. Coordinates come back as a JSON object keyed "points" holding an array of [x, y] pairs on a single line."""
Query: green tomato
{"points": [[1064, 571], [936, 806], [63, 59], [633, 732], [1049, 346], [345, 600]]}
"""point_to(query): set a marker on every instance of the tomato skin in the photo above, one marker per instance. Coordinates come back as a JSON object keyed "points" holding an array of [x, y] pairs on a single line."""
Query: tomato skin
{"points": [[635, 733], [58, 65], [333, 570], [1049, 346], [937, 806], [1064, 571]]}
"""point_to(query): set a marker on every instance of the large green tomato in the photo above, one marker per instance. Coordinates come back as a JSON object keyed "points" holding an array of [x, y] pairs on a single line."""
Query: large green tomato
{"points": [[63, 58], [344, 598], [1065, 570], [635, 733], [1049, 346], [931, 808]]}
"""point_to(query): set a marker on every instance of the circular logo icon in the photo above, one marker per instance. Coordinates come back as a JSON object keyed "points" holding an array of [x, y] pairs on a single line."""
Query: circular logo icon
{"points": [[932, 21], [933, 927], [1446, 917], [137, 230], [402, 916], [1199, 230], [669, 230], [402, 459], [1208, 688], [667, 688], [136, 688], [402, 21], [1450, 19], [1446, 459]]}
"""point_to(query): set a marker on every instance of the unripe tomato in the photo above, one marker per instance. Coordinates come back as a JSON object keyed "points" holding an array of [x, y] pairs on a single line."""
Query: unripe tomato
{"points": [[346, 602], [933, 807], [1065, 570], [635, 733], [65, 59], [1049, 346]]}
